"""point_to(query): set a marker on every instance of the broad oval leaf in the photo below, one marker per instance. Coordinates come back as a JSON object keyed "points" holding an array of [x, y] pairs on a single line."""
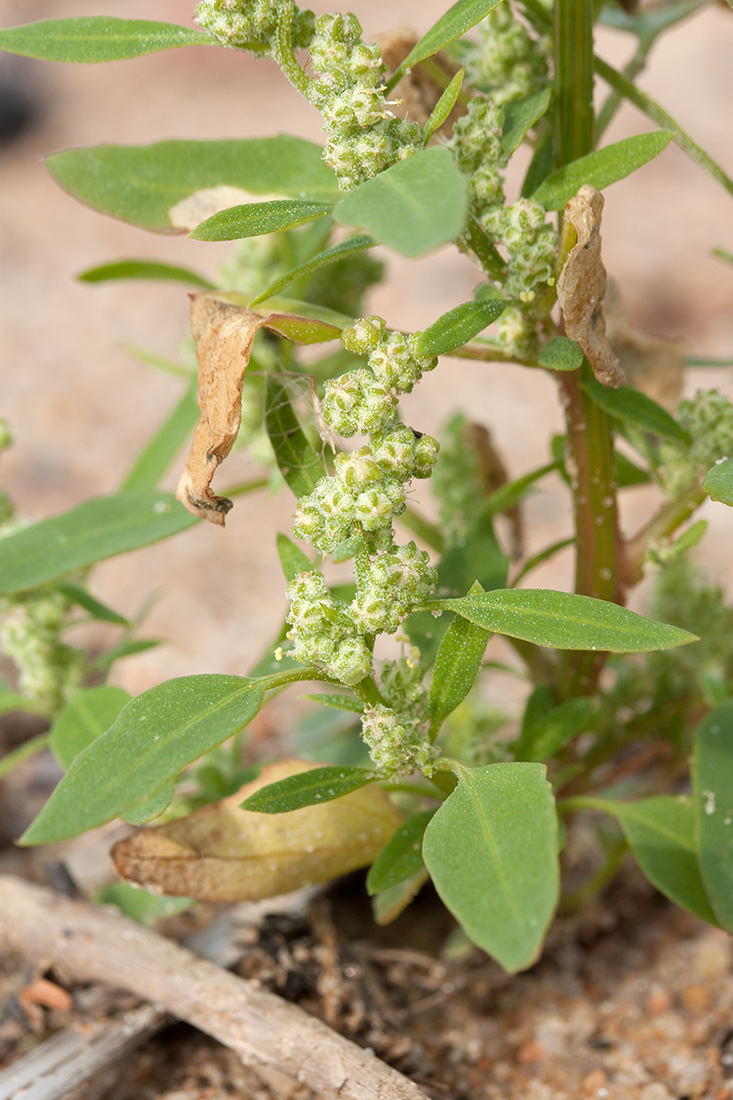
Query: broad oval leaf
{"points": [[634, 407], [146, 184], [601, 168], [350, 247], [143, 269], [718, 482], [456, 21], [98, 38], [85, 717], [564, 620], [308, 788], [459, 325], [414, 206], [94, 530], [388, 904], [156, 735], [402, 856], [255, 218], [712, 774], [491, 850], [225, 853], [152, 807], [661, 834], [559, 353]]}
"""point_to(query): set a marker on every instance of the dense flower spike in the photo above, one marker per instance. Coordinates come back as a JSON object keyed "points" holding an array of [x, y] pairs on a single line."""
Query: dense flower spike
{"points": [[506, 59], [252, 23], [708, 420], [31, 636]]}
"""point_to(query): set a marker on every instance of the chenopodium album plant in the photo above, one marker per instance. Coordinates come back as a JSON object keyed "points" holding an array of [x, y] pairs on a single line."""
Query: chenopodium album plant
{"points": [[488, 812]]}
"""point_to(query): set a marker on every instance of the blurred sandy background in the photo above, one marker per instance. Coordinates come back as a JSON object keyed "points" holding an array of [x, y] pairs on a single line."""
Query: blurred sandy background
{"points": [[80, 407]]}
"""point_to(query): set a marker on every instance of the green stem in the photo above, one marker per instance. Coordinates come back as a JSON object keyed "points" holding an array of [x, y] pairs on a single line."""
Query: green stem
{"points": [[573, 79], [295, 675], [661, 526], [284, 55]]}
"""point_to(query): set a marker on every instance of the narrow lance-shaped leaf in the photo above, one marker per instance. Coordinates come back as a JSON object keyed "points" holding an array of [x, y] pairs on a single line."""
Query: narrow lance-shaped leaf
{"points": [[457, 662], [307, 789], [653, 110], [255, 218], [299, 463], [634, 407], [402, 857], [292, 559], [156, 457], [718, 482], [601, 168], [459, 325], [143, 269], [565, 620], [172, 186], [712, 776], [414, 206], [660, 833], [456, 21], [491, 850], [547, 728], [445, 104], [97, 38], [81, 597], [350, 247], [94, 530], [519, 116], [156, 735]]}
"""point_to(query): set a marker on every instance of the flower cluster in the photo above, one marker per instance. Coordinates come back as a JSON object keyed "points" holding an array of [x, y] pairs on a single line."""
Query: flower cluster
{"points": [[476, 145], [364, 138], [506, 59], [323, 632], [708, 420], [396, 741], [31, 636], [250, 24]]}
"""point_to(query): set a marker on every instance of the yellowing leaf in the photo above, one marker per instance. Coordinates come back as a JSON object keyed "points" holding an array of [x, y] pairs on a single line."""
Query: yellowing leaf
{"points": [[225, 854]]}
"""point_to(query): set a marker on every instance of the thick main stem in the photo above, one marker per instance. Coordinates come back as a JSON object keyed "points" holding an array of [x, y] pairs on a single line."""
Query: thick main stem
{"points": [[590, 442]]}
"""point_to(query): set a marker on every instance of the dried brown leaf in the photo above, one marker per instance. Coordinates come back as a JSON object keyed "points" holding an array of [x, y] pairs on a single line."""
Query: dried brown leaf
{"points": [[224, 334], [224, 853], [581, 287], [654, 365]]}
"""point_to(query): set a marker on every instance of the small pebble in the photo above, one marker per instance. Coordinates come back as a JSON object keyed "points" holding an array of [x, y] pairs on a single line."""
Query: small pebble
{"points": [[593, 1082], [695, 998], [655, 1091], [531, 1052], [658, 1001]]}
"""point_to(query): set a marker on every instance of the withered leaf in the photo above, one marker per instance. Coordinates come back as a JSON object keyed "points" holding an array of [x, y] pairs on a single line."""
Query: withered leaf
{"points": [[224, 334], [581, 287], [223, 853], [656, 366]]}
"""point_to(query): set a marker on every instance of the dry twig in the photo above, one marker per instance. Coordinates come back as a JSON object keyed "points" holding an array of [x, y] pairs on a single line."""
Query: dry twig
{"points": [[92, 944]]}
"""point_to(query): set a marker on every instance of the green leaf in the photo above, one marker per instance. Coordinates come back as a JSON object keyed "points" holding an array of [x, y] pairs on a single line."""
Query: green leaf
{"points": [[634, 407], [85, 717], [339, 702], [388, 905], [559, 353], [519, 117], [628, 473], [143, 269], [459, 325], [601, 168], [299, 464], [507, 496], [541, 165], [152, 807], [547, 728], [256, 218], [94, 530], [414, 206], [452, 24], [457, 662], [723, 254], [350, 247], [129, 647], [445, 104], [142, 183], [139, 904], [712, 775], [660, 833], [653, 110], [718, 483], [402, 857], [491, 850], [158, 734], [97, 38], [647, 24], [307, 789], [292, 558], [98, 611], [158, 454], [565, 620]]}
